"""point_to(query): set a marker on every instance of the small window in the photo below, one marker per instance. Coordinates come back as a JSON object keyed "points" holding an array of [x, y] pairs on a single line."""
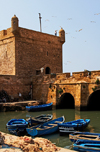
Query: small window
{"points": [[47, 70]]}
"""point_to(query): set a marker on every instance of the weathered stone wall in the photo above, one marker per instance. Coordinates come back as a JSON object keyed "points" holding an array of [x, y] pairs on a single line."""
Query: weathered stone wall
{"points": [[7, 53], [35, 50], [13, 85]]}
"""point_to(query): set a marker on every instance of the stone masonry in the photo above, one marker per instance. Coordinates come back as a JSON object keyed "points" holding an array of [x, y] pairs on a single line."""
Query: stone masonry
{"points": [[31, 61]]}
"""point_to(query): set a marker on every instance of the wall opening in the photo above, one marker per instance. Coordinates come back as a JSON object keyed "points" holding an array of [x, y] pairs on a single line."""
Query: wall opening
{"points": [[47, 70], [94, 101], [66, 101]]}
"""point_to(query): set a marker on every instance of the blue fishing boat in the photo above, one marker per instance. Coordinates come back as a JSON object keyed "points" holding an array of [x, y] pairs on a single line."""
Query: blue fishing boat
{"points": [[39, 119], [84, 136], [17, 126], [86, 146], [40, 107], [72, 126], [46, 128]]}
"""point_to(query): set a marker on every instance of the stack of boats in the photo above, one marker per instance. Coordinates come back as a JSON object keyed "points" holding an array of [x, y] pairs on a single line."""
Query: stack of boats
{"points": [[85, 141], [45, 124]]}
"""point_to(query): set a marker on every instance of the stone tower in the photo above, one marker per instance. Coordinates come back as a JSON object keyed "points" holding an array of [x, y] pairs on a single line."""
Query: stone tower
{"points": [[14, 24], [62, 35]]}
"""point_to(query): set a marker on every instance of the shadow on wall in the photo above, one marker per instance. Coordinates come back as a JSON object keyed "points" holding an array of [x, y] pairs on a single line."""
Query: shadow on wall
{"points": [[4, 97]]}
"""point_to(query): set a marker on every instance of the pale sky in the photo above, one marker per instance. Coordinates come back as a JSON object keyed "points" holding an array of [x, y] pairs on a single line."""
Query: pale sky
{"points": [[79, 18]]}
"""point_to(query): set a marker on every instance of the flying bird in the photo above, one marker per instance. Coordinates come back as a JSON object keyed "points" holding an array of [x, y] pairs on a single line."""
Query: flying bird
{"points": [[66, 63], [69, 61], [93, 22], [46, 20], [54, 16], [69, 19], [73, 37], [79, 30], [67, 33], [45, 26], [97, 14]]}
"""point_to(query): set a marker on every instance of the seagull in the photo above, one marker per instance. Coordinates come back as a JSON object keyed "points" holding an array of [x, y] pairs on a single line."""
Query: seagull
{"points": [[54, 16], [67, 33], [45, 26], [97, 14], [69, 19], [80, 30], [46, 20], [69, 61], [73, 37], [61, 27], [93, 22]]}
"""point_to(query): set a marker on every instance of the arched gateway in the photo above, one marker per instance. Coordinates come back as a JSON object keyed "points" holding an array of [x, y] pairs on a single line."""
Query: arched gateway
{"points": [[94, 101], [66, 101]]}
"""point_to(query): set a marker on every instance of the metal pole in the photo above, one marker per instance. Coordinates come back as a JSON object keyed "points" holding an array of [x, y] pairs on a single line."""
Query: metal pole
{"points": [[40, 22]]}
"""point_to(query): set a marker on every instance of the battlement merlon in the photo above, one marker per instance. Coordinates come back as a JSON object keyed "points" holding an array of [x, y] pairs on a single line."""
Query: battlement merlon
{"points": [[15, 30]]}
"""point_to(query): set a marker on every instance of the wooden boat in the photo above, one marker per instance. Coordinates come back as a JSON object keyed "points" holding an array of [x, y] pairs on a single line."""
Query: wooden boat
{"points": [[39, 119], [72, 126], [40, 107], [86, 146], [84, 135], [46, 128], [17, 126]]}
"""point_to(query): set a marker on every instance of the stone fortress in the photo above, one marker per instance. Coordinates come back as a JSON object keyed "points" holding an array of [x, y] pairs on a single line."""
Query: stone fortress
{"points": [[31, 62]]}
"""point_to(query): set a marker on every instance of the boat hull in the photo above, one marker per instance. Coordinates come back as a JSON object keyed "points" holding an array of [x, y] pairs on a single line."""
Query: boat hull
{"points": [[84, 136], [43, 107], [38, 132], [46, 128], [73, 126], [87, 145], [17, 126], [39, 119]]}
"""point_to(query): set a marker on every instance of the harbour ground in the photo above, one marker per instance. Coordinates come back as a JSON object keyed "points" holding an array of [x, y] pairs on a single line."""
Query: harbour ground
{"points": [[16, 142]]}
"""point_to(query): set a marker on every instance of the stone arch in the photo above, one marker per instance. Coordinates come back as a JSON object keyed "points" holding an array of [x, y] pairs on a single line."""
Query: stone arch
{"points": [[47, 70], [66, 101], [93, 102]]}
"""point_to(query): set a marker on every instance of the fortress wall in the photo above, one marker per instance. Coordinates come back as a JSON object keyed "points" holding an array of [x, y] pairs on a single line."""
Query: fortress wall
{"points": [[13, 85], [61, 76], [36, 50], [7, 56], [39, 36]]}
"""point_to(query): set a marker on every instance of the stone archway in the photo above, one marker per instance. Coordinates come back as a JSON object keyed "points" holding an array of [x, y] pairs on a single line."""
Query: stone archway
{"points": [[94, 101], [47, 70], [66, 101]]}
